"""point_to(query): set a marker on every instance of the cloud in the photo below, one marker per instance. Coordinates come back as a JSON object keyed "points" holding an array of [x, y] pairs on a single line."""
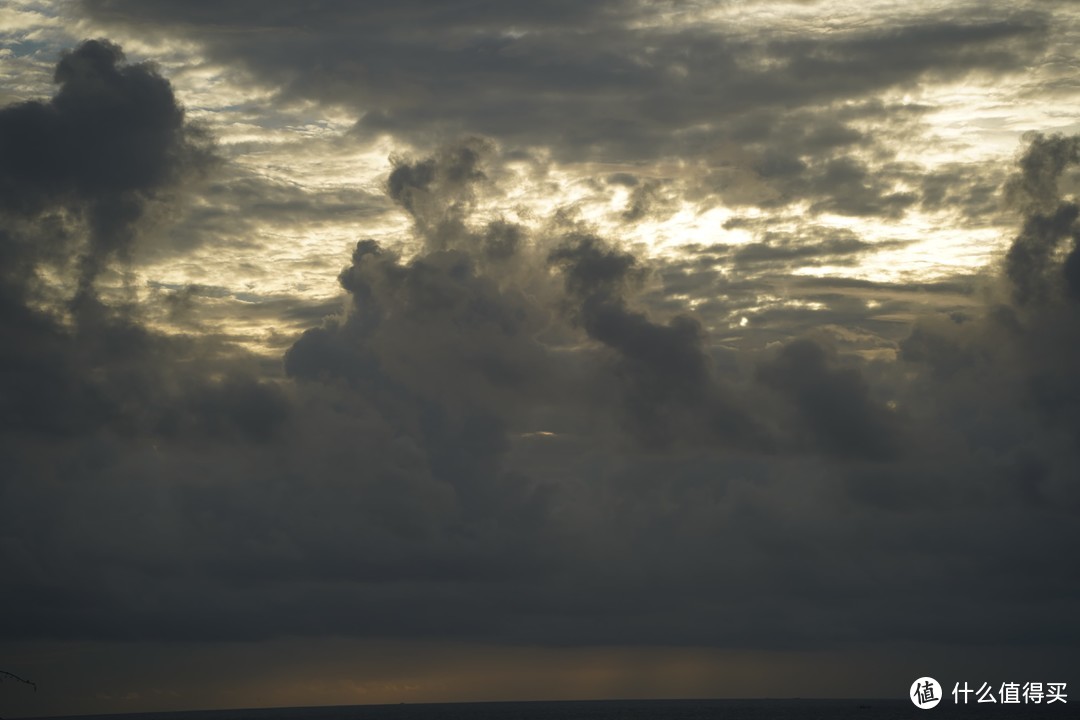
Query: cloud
{"points": [[779, 250], [1024, 344], [111, 138], [77, 172], [524, 432], [834, 402], [1048, 220], [785, 109], [438, 192], [668, 385]]}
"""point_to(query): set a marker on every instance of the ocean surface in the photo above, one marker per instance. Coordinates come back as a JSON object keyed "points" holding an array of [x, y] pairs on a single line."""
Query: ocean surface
{"points": [[630, 710]]}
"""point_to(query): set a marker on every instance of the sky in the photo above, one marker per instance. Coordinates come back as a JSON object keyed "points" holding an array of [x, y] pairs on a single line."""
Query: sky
{"points": [[432, 351]]}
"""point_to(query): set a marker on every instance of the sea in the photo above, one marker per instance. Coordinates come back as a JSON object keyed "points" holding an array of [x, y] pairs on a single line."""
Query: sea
{"points": [[794, 709]]}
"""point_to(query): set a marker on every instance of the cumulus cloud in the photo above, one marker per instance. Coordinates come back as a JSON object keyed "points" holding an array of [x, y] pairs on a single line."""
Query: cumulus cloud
{"points": [[77, 173], [1048, 220], [111, 138], [669, 388], [1026, 342]]}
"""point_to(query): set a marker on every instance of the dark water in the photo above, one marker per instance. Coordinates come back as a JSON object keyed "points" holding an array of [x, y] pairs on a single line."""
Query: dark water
{"points": [[632, 710]]}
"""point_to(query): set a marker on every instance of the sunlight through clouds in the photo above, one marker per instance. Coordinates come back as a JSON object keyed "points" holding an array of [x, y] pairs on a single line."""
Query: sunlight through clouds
{"points": [[440, 350]]}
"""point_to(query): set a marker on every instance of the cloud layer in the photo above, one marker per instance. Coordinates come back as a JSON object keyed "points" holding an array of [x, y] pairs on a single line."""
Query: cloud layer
{"points": [[515, 425]]}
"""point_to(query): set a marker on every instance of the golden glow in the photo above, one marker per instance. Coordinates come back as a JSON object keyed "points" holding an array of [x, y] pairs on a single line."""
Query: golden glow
{"points": [[294, 672]]}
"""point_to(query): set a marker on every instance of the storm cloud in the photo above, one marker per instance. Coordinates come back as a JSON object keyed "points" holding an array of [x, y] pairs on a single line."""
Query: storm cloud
{"points": [[461, 327]]}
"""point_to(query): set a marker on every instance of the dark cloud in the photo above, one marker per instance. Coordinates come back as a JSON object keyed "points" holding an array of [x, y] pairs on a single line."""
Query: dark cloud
{"points": [[85, 385], [777, 250], [529, 434], [1048, 219], [834, 402], [110, 129], [648, 200], [440, 347], [767, 121], [971, 189], [438, 192], [423, 323], [1026, 344], [669, 387], [1071, 269], [1012, 364], [111, 139], [237, 205], [77, 172], [841, 184]]}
